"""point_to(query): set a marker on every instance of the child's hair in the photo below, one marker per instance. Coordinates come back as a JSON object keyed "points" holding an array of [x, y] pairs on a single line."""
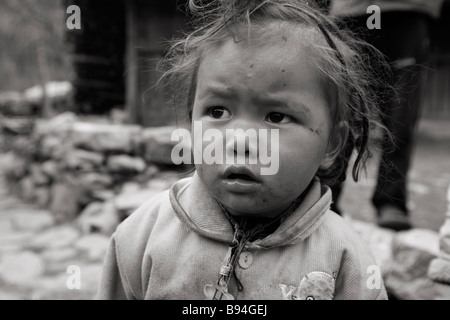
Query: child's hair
{"points": [[346, 65]]}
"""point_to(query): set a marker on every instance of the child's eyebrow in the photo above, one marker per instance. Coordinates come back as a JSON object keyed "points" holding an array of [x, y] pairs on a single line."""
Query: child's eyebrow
{"points": [[221, 92], [296, 107]]}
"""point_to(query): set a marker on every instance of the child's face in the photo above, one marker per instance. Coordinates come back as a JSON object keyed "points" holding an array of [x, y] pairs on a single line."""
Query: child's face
{"points": [[269, 86]]}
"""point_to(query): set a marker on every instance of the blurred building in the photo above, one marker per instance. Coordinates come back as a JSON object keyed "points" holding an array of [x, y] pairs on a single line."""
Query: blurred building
{"points": [[115, 56], [437, 96], [116, 52]]}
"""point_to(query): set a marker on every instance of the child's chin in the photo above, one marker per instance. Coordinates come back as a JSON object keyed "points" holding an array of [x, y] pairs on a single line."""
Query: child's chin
{"points": [[249, 210]]}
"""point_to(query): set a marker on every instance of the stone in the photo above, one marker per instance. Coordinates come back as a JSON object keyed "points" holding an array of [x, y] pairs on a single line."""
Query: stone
{"points": [[95, 245], [439, 269], [418, 188], [102, 195], [79, 159], [13, 166], [5, 225], [24, 147], [65, 201], [10, 296], [55, 135], [118, 116], [53, 288], [32, 220], [42, 196], [94, 180], [17, 241], [99, 218], [21, 268], [91, 209], [27, 189], [56, 287], [106, 137], [378, 239], [422, 288], [59, 237], [157, 145], [61, 123], [128, 202], [149, 173], [90, 276], [51, 169], [412, 252], [54, 146], [59, 255], [38, 176], [125, 164], [10, 100], [130, 186], [53, 89]]}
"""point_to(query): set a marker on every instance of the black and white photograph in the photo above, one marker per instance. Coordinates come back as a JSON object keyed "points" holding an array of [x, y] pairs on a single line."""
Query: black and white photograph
{"points": [[237, 150]]}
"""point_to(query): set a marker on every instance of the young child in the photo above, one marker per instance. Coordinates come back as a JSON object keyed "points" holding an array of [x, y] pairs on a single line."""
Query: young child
{"points": [[231, 232]]}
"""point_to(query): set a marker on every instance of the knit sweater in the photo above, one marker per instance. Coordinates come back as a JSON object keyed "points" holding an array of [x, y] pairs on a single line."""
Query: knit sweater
{"points": [[173, 247]]}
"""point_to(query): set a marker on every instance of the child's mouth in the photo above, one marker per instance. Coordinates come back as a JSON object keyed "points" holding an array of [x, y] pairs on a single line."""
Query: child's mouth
{"points": [[240, 180], [240, 176]]}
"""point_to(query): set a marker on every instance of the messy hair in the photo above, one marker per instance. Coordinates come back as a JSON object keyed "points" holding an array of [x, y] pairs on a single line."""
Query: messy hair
{"points": [[345, 63]]}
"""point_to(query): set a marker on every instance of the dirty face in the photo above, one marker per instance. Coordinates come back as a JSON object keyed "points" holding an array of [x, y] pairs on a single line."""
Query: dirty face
{"points": [[268, 84]]}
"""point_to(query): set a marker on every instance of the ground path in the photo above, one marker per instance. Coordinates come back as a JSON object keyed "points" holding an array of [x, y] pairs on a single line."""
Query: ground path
{"points": [[35, 255]]}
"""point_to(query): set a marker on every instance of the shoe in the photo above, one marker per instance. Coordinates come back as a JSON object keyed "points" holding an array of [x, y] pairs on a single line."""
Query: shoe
{"points": [[393, 218]]}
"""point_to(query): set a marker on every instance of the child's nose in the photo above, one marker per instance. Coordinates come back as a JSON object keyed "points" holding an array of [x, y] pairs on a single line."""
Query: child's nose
{"points": [[242, 145]]}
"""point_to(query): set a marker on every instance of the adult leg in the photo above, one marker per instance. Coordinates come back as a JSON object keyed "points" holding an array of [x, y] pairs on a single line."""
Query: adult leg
{"points": [[405, 40]]}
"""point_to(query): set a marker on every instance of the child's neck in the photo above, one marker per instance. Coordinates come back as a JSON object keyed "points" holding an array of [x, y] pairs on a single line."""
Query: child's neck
{"points": [[247, 224], [266, 225]]}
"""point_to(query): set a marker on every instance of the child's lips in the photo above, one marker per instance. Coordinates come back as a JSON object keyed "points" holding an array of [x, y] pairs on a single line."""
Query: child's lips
{"points": [[241, 185], [240, 180], [240, 173]]}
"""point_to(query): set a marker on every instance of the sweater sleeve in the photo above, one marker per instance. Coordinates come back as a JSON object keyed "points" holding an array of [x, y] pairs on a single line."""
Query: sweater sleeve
{"points": [[113, 283], [359, 276], [122, 276]]}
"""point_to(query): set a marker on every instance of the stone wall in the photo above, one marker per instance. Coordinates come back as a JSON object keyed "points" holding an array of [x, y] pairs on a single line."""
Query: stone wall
{"points": [[95, 172], [404, 259]]}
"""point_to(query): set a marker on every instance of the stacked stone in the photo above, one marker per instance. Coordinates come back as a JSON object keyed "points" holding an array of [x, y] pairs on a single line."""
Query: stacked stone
{"points": [[99, 169], [439, 269], [419, 268]]}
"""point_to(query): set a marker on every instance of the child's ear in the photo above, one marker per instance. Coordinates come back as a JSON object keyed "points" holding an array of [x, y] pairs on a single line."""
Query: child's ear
{"points": [[336, 143]]}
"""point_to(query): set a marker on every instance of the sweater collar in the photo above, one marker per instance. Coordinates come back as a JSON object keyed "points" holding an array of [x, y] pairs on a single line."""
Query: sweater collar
{"points": [[200, 212]]}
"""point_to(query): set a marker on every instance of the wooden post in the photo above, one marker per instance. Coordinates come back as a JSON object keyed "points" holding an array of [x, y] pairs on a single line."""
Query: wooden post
{"points": [[131, 91]]}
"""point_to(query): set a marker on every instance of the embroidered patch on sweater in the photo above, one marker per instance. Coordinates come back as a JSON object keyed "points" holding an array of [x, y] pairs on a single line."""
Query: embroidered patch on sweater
{"points": [[316, 285]]}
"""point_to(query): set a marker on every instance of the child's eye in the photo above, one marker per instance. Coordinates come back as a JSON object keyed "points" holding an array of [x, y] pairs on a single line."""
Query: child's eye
{"points": [[276, 117], [218, 113]]}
